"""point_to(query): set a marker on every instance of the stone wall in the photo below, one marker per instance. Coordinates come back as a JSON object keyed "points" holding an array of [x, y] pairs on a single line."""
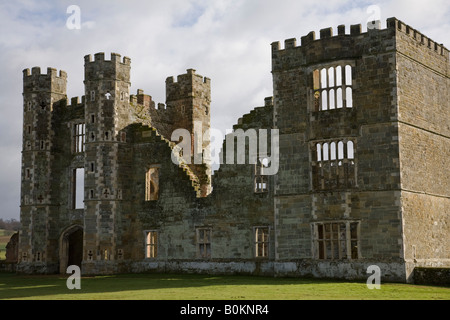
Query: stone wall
{"points": [[424, 131]]}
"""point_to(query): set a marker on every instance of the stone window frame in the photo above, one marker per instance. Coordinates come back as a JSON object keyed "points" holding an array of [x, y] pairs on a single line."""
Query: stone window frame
{"points": [[78, 137], [261, 181], [261, 241], [74, 186], [340, 242], [203, 236], [324, 86], [152, 186], [151, 241], [336, 171]]}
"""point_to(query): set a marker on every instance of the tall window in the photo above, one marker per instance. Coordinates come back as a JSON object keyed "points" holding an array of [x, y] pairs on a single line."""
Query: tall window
{"points": [[151, 244], [261, 180], [261, 241], [336, 240], [333, 165], [78, 189], [333, 88], [152, 184], [204, 242], [78, 137]]}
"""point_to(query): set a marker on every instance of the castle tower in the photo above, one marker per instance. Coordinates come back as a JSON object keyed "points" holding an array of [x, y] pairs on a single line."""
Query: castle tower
{"points": [[39, 203], [358, 112], [107, 85], [189, 101]]}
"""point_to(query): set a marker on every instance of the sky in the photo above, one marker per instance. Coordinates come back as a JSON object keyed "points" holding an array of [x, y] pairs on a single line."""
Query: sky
{"points": [[227, 41]]}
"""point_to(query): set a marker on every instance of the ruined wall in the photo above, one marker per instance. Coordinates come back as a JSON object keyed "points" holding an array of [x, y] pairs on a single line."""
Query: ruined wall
{"points": [[424, 130], [231, 211]]}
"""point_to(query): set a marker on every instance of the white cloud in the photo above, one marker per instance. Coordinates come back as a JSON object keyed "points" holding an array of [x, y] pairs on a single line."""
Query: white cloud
{"points": [[225, 40]]}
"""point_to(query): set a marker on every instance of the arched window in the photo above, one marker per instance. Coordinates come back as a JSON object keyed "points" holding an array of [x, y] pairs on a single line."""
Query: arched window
{"points": [[350, 151], [319, 152], [333, 151]]}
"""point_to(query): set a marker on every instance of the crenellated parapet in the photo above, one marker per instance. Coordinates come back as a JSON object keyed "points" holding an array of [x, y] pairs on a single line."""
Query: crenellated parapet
{"points": [[116, 68], [189, 84], [420, 38], [52, 81], [77, 102], [331, 45]]}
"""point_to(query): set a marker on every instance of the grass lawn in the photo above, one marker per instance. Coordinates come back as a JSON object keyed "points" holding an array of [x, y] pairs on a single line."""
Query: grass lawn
{"points": [[206, 287]]}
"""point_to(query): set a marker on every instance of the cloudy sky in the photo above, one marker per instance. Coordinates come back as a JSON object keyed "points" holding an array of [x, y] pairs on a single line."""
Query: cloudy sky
{"points": [[225, 40]]}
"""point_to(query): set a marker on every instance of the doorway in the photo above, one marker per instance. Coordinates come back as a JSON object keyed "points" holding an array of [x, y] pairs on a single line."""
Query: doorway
{"points": [[71, 248]]}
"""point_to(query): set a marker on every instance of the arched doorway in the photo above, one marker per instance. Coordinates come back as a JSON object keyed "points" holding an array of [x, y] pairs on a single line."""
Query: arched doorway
{"points": [[71, 248]]}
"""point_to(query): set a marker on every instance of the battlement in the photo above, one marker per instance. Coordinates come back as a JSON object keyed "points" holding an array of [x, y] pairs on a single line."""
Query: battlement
{"points": [[393, 24], [190, 74], [101, 69], [51, 72], [75, 101], [418, 36], [100, 57]]}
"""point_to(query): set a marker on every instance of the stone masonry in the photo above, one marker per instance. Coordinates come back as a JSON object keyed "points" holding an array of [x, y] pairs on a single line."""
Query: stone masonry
{"points": [[362, 128]]}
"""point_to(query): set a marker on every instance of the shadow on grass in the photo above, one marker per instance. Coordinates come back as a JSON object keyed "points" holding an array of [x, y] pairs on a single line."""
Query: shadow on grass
{"points": [[152, 286], [19, 286]]}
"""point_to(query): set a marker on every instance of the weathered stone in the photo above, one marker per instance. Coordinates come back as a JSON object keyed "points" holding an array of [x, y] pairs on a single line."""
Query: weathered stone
{"points": [[363, 122]]}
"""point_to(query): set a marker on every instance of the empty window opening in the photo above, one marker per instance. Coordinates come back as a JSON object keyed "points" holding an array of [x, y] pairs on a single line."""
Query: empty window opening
{"points": [[151, 244], [204, 242], [106, 135], [333, 165], [78, 189], [92, 95], [350, 151], [261, 242], [340, 150], [92, 118], [333, 151], [338, 76], [332, 88], [152, 184], [78, 137], [42, 145], [336, 240], [261, 179], [348, 75]]}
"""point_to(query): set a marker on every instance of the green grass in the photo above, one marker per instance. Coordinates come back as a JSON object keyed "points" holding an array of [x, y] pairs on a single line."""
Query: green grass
{"points": [[204, 287]]}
